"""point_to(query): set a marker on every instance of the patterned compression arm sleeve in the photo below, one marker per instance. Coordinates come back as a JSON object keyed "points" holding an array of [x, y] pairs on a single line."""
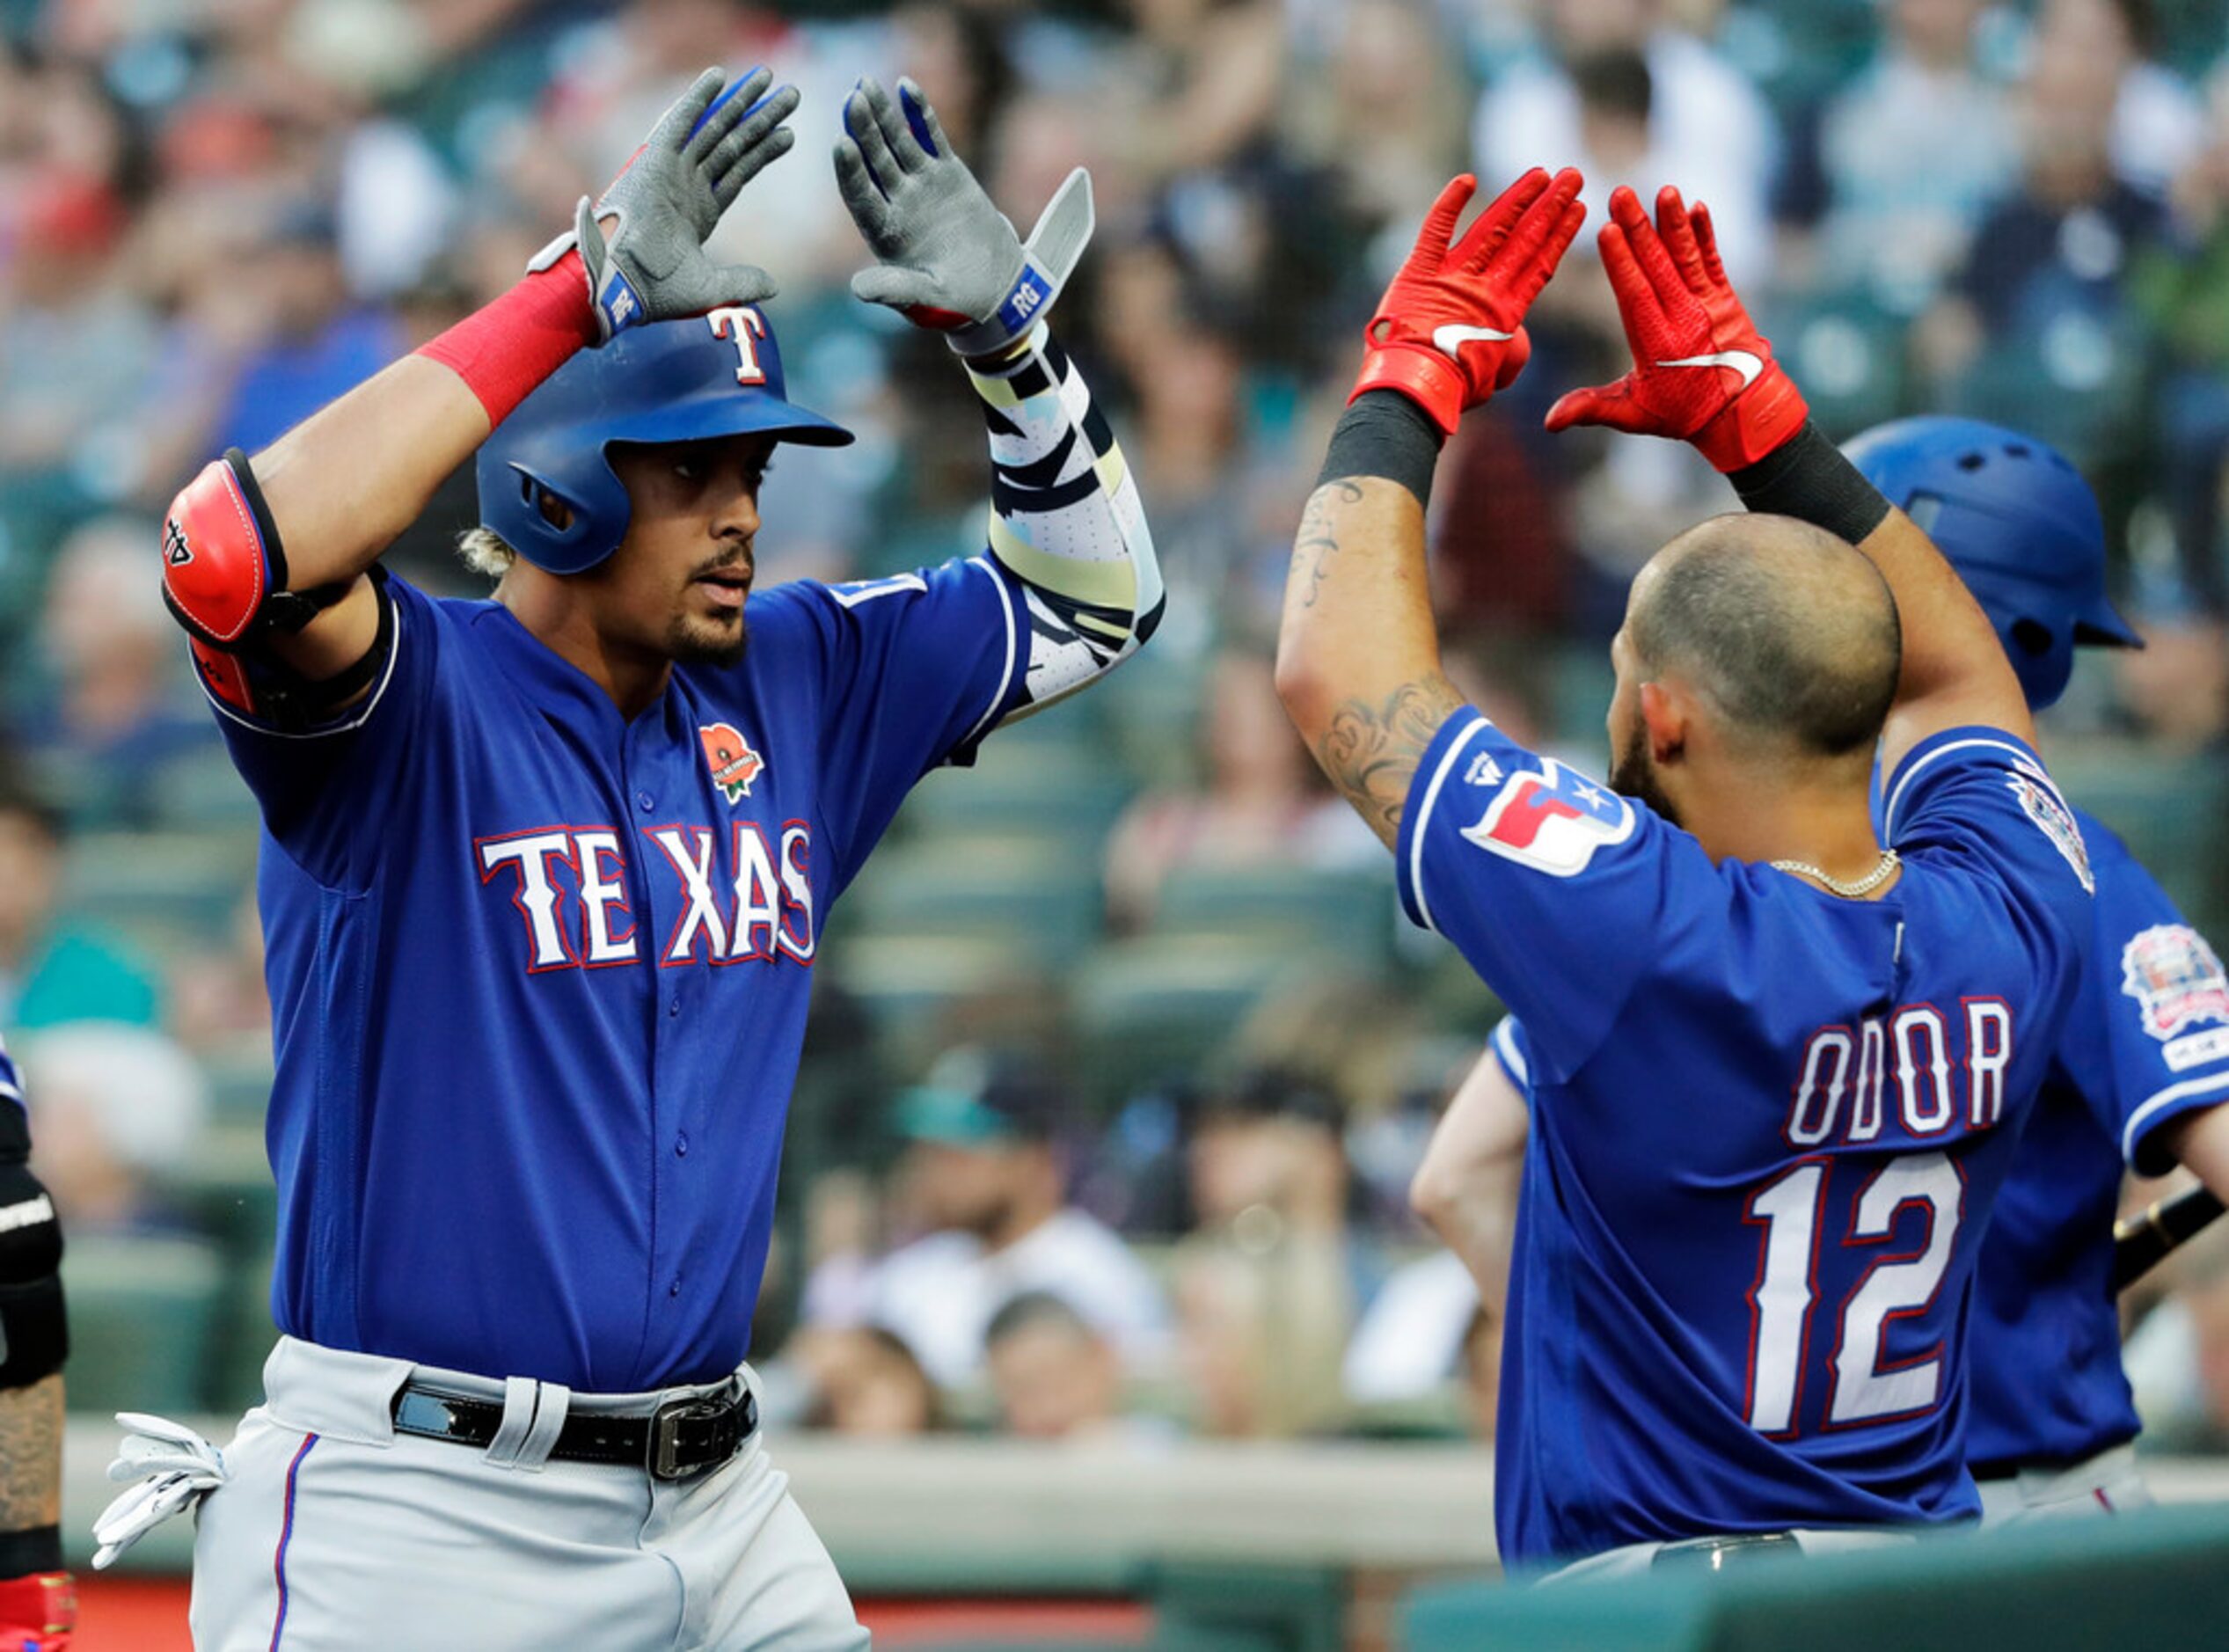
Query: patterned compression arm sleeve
{"points": [[1067, 527]]}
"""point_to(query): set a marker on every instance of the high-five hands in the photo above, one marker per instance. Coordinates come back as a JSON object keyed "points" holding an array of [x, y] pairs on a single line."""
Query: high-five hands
{"points": [[1450, 331], [1702, 372], [651, 266], [948, 259]]}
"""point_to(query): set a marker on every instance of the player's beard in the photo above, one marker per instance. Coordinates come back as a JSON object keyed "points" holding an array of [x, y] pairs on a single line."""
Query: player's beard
{"points": [[1634, 776], [693, 640]]}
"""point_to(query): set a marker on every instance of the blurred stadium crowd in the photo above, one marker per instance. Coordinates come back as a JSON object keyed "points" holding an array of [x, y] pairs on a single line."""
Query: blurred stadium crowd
{"points": [[1120, 1061]]}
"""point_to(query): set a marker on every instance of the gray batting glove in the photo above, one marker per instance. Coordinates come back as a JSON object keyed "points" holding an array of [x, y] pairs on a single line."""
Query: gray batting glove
{"points": [[174, 1468], [950, 260], [667, 199]]}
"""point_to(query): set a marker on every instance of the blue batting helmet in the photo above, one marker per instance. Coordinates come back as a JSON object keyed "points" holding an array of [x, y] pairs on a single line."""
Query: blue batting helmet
{"points": [[715, 375], [2020, 526]]}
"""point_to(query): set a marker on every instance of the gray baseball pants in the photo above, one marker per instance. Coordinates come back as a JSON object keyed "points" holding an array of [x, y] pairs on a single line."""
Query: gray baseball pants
{"points": [[332, 1531]]}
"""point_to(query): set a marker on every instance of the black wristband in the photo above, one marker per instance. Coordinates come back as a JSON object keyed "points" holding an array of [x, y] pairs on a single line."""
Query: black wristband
{"points": [[1805, 477], [27, 1553], [1384, 433]]}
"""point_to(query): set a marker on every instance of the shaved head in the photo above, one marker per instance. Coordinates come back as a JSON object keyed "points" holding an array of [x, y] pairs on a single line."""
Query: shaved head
{"points": [[1785, 631]]}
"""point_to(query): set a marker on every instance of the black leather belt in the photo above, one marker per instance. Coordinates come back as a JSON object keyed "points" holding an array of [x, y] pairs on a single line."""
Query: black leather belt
{"points": [[682, 1438], [1715, 1554]]}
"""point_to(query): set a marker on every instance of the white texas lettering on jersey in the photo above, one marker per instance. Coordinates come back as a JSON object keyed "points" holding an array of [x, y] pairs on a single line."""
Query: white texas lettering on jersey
{"points": [[604, 891], [536, 894], [569, 886], [703, 918]]}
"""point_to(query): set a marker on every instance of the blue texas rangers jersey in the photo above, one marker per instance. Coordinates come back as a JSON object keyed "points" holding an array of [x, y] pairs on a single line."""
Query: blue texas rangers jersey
{"points": [[538, 972], [1767, 1124], [2148, 1040]]}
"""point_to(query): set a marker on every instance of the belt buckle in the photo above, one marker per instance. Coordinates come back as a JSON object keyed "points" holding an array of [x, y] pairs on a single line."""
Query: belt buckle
{"points": [[1715, 1554], [665, 1433]]}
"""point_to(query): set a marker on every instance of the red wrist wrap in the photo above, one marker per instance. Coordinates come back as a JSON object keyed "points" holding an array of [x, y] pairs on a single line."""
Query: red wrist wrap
{"points": [[45, 1604], [1425, 376], [506, 348], [1754, 424]]}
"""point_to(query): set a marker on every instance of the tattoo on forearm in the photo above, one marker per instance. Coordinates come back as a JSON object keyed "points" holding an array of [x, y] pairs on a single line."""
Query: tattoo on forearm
{"points": [[1316, 542], [30, 1455], [1371, 751]]}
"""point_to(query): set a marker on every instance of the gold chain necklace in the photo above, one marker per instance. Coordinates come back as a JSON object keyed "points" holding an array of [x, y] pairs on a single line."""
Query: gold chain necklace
{"points": [[1865, 885]]}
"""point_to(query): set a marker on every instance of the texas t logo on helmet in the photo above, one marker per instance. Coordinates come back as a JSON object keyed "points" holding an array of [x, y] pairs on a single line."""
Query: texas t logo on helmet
{"points": [[700, 378]]}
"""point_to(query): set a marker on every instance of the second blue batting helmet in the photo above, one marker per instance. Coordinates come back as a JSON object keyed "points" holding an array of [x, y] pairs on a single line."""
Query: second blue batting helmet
{"points": [[2018, 522], [715, 375]]}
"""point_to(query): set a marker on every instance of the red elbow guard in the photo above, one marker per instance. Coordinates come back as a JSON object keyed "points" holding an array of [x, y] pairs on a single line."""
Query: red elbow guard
{"points": [[224, 574]]}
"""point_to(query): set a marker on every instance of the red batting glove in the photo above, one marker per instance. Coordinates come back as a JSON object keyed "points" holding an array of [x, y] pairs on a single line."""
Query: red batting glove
{"points": [[1450, 331], [38, 1613], [1702, 372]]}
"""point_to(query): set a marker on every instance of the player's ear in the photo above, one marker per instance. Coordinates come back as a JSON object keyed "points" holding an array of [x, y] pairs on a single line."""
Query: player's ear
{"points": [[1663, 715]]}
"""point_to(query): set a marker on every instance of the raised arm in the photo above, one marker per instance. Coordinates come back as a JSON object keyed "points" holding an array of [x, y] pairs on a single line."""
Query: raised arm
{"points": [[1358, 660], [265, 561], [1703, 373], [1066, 524]]}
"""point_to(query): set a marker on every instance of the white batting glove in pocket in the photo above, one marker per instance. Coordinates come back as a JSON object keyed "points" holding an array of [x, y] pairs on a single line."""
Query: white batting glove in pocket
{"points": [[175, 1468]]}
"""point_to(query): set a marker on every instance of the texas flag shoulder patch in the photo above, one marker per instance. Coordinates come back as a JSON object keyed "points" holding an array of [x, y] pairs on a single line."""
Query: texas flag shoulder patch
{"points": [[1552, 819]]}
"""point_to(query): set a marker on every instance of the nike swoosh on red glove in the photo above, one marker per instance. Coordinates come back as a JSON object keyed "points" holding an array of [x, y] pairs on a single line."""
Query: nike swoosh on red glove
{"points": [[1702, 372], [1450, 331]]}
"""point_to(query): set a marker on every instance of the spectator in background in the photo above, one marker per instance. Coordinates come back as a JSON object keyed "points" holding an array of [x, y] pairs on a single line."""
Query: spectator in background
{"points": [[2157, 123], [113, 1108], [1264, 803], [983, 1180], [1184, 381], [315, 342], [1612, 88], [1708, 126], [1268, 1284], [1202, 86], [1391, 130], [75, 351], [52, 970], [865, 1382], [114, 716], [1054, 1376], [2178, 1356], [1415, 1339], [2184, 294], [220, 1008], [265, 330], [2038, 328], [1913, 151]]}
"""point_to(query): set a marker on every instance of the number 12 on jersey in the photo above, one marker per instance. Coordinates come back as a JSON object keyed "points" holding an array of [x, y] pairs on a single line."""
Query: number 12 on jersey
{"points": [[1790, 1209]]}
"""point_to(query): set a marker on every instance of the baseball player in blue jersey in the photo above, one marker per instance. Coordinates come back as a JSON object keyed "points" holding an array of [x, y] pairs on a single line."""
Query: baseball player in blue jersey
{"points": [[2141, 1072], [1777, 1068], [543, 882], [2142, 1069]]}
